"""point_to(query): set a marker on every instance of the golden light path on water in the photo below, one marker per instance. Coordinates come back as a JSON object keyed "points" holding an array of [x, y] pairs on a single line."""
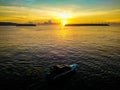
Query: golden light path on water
{"points": [[57, 35]]}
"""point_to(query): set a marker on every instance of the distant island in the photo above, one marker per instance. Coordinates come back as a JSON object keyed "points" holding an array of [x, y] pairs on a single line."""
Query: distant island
{"points": [[87, 25], [25, 24], [48, 23], [15, 24], [7, 24]]}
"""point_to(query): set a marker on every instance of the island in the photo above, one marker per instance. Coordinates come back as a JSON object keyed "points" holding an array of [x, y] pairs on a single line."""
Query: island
{"points": [[7, 24], [87, 25], [25, 24], [15, 24]]}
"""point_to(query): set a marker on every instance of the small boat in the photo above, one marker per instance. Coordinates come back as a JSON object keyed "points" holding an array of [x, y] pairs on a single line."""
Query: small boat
{"points": [[60, 72]]}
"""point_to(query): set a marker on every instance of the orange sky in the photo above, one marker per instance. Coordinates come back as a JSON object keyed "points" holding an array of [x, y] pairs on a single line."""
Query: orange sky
{"points": [[71, 13]]}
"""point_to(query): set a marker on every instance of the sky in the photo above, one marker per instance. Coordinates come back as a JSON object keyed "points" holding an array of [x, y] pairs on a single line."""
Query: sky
{"points": [[65, 11]]}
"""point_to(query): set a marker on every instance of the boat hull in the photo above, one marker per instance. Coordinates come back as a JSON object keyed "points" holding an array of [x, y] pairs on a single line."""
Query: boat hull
{"points": [[64, 75]]}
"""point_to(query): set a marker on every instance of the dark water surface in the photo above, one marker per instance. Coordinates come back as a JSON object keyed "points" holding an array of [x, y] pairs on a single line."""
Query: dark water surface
{"points": [[27, 52]]}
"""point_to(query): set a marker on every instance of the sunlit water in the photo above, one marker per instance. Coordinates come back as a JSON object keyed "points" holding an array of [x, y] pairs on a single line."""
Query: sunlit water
{"points": [[95, 49]]}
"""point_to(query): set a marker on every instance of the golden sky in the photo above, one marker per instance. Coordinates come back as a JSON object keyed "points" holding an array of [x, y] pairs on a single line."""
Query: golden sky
{"points": [[66, 11]]}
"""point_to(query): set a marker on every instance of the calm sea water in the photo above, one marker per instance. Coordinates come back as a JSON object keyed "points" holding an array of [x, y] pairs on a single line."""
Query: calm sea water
{"points": [[26, 52], [44, 46]]}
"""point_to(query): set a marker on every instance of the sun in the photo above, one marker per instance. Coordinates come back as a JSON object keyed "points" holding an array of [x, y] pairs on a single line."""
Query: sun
{"points": [[64, 22], [64, 18]]}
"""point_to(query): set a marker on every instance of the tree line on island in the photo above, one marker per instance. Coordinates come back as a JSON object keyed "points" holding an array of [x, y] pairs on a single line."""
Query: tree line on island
{"points": [[31, 24]]}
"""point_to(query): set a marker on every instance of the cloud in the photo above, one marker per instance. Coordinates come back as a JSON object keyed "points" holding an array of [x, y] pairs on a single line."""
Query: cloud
{"points": [[18, 13], [24, 12], [97, 12]]}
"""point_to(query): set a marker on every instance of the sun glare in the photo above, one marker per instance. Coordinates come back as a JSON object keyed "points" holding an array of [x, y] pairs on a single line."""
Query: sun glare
{"points": [[64, 18], [64, 22]]}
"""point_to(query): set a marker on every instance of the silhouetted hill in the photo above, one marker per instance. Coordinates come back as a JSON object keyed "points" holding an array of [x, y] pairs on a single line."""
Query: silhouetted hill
{"points": [[25, 24], [7, 24], [15, 24], [87, 25]]}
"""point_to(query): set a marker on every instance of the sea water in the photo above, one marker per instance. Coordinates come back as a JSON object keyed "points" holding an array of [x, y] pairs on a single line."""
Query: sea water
{"points": [[96, 49]]}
